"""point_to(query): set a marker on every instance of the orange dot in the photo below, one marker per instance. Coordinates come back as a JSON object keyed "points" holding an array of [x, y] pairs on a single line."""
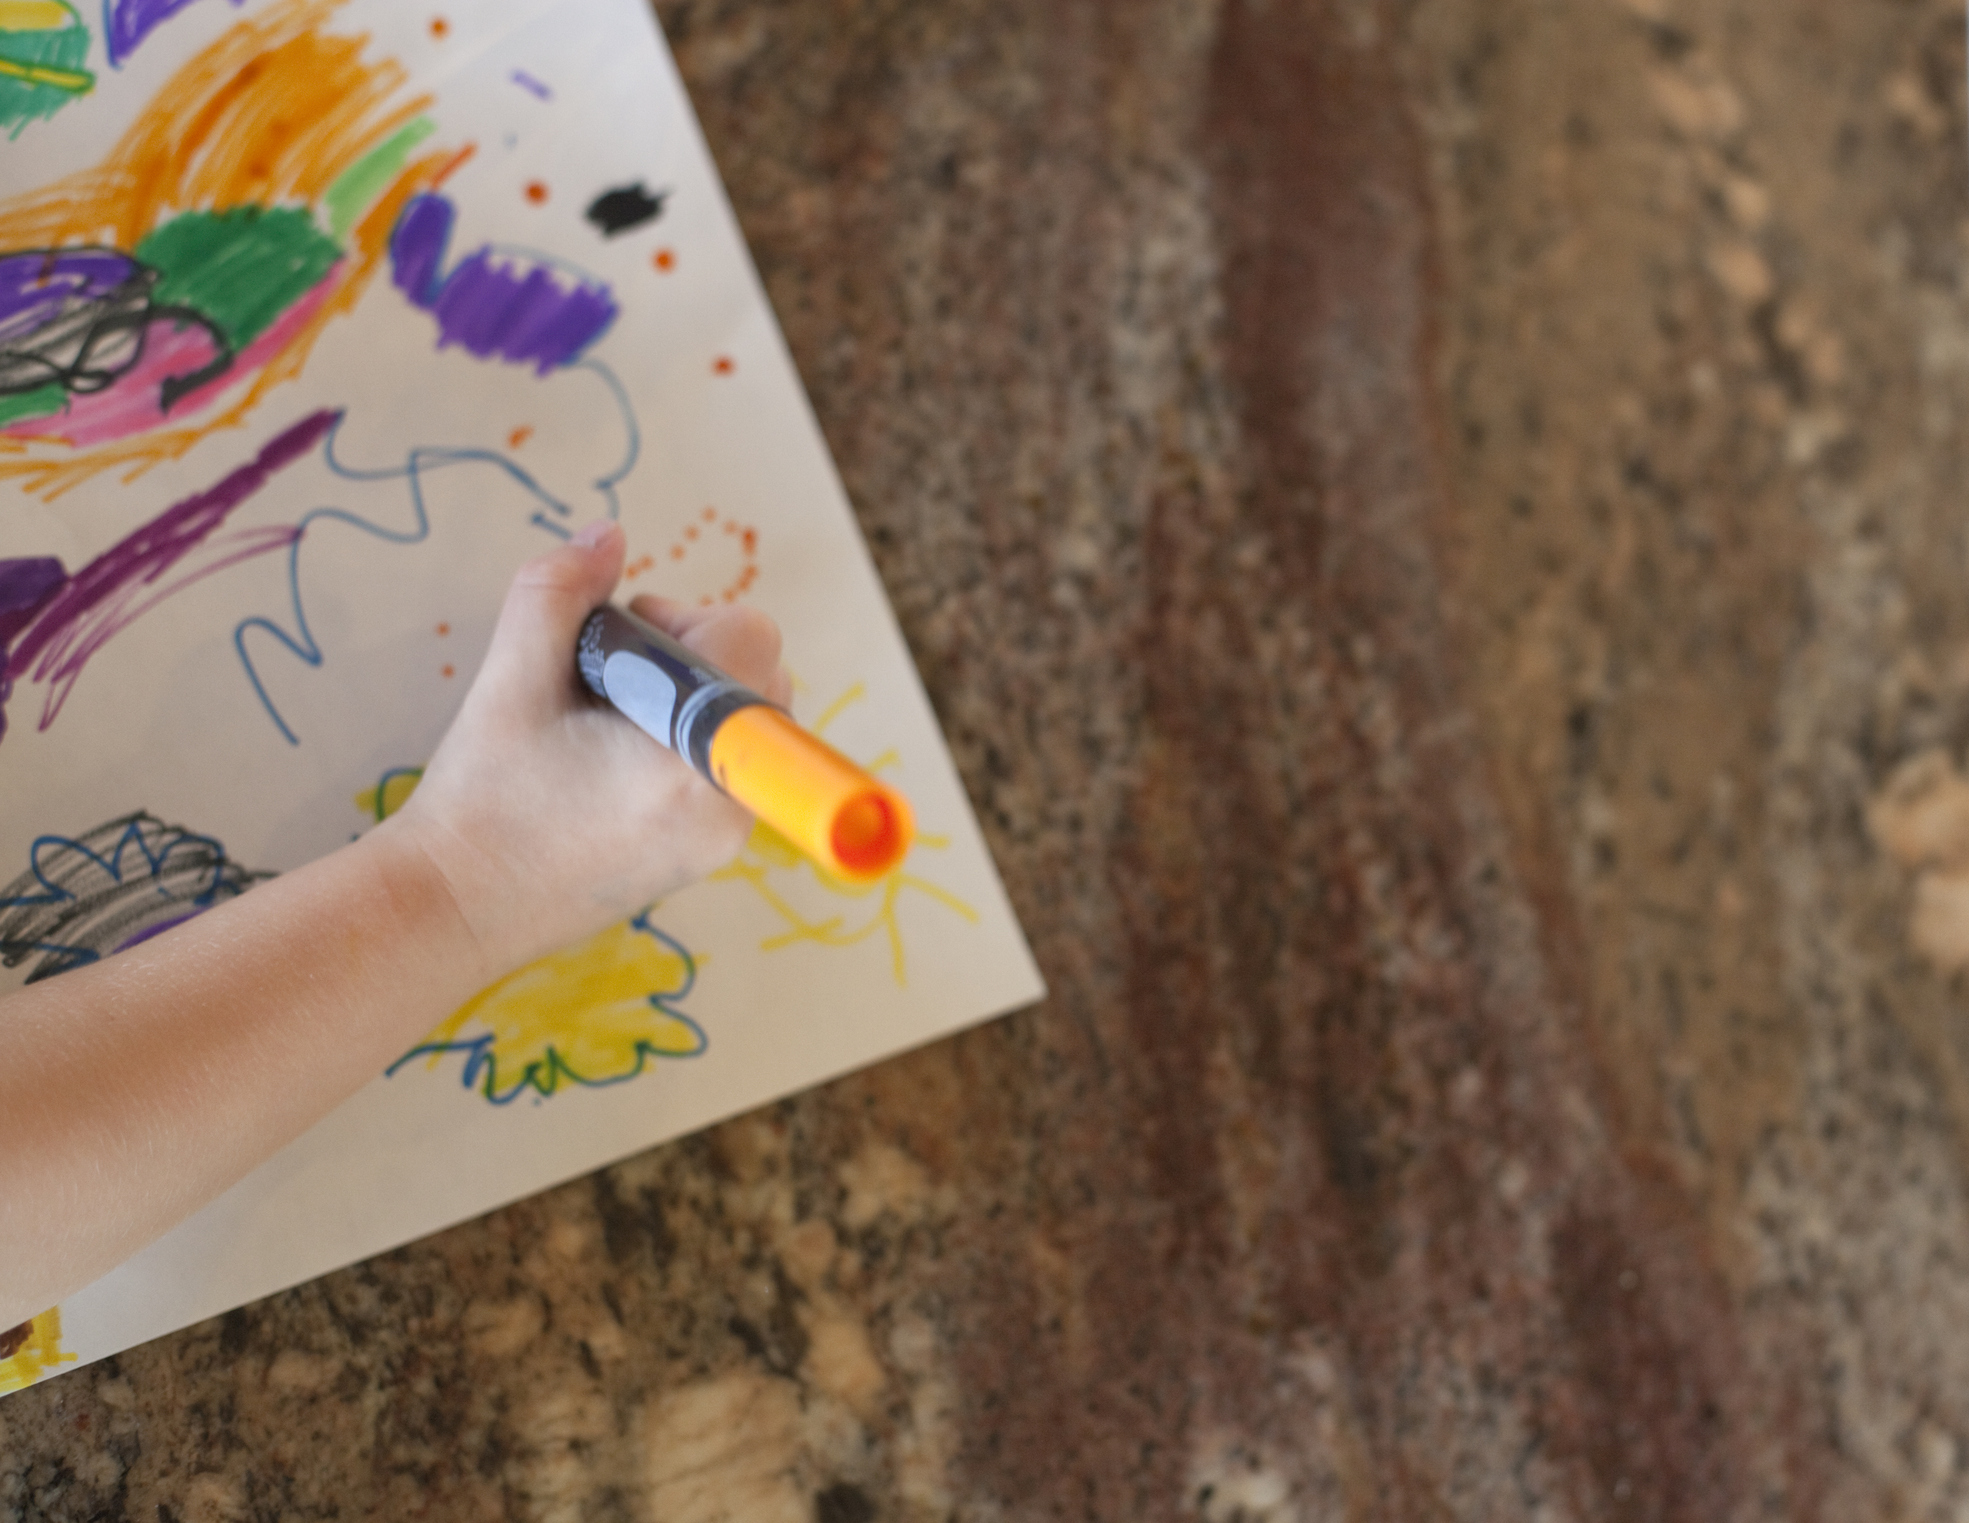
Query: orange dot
{"points": [[723, 364], [676, 552], [444, 629], [751, 540], [450, 671], [665, 261], [730, 527], [536, 192], [710, 515], [439, 27], [704, 602], [690, 531], [519, 435]]}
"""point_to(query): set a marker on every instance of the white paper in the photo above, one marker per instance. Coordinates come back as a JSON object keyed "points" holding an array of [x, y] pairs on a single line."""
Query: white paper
{"points": [[194, 658]]}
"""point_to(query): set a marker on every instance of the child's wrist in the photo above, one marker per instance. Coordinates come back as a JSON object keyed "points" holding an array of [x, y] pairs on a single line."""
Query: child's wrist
{"points": [[425, 888]]}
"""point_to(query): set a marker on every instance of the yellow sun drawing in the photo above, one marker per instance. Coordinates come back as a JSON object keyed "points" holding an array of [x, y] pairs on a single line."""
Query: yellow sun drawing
{"points": [[776, 870]]}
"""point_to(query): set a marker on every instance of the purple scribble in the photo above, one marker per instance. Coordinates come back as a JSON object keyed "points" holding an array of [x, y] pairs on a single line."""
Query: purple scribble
{"points": [[156, 930], [497, 303], [52, 623], [38, 286], [24, 586], [417, 245], [531, 85], [126, 23]]}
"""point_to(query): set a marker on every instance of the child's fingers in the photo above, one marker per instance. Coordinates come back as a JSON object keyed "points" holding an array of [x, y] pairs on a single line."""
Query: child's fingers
{"points": [[734, 638], [533, 643]]}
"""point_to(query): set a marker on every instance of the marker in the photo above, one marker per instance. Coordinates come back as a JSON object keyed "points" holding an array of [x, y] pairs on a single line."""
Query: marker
{"points": [[854, 826]]}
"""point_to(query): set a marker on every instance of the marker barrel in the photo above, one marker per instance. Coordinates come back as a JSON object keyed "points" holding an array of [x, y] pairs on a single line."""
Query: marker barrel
{"points": [[853, 825]]}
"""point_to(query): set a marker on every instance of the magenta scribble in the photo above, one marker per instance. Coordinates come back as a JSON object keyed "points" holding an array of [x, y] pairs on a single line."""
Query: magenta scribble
{"points": [[51, 623]]}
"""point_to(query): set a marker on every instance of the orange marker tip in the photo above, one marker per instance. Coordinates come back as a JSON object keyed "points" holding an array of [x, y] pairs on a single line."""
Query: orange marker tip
{"points": [[855, 827], [871, 835]]}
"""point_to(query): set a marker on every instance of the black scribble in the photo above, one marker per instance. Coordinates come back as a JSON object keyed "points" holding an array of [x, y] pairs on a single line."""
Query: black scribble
{"points": [[85, 897]]}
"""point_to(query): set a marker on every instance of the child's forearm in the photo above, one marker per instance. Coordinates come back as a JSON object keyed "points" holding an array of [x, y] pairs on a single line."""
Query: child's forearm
{"points": [[136, 1089]]}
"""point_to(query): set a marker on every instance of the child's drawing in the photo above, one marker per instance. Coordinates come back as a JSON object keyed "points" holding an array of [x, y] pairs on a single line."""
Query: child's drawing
{"points": [[398, 512], [197, 264], [624, 208], [32, 1350], [43, 46], [52, 621], [126, 23], [593, 1015], [729, 548], [84, 897], [500, 303]]}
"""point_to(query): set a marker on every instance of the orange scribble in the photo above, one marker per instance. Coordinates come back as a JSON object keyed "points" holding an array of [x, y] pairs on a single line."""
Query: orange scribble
{"points": [[665, 261], [748, 539], [519, 436], [271, 114], [536, 192], [723, 364]]}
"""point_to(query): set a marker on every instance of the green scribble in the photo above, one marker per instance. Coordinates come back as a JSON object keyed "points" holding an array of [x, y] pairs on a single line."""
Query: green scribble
{"points": [[38, 403], [241, 267], [41, 71], [363, 181]]}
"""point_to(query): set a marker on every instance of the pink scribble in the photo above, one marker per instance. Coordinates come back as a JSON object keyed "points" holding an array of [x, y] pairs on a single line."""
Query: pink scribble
{"points": [[132, 405]]}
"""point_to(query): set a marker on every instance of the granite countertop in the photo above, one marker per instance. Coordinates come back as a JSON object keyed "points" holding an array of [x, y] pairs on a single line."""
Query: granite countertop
{"points": [[1437, 533]]}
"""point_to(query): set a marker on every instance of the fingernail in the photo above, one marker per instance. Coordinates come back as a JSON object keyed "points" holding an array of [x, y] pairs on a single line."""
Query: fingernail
{"points": [[594, 534]]}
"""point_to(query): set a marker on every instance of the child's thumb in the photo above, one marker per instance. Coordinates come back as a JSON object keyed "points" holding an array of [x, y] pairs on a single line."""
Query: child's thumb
{"points": [[533, 643]]}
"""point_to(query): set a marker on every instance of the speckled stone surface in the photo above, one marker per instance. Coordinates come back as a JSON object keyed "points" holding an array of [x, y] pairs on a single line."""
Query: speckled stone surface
{"points": [[1427, 525]]}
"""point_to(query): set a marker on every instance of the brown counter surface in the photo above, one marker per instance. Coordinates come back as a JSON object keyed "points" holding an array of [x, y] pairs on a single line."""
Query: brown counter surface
{"points": [[1430, 527]]}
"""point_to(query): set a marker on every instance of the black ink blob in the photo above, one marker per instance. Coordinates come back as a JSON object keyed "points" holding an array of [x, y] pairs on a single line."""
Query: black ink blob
{"points": [[616, 211]]}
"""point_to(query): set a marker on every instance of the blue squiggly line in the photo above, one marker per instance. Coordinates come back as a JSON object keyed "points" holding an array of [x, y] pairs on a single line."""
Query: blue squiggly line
{"points": [[113, 864], [634, 444], [300, 642], [481, 1068]]}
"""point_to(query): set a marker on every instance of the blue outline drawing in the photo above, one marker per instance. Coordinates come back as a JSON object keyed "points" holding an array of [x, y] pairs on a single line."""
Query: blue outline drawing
{"points": [[301, 641], [544, 1076]]}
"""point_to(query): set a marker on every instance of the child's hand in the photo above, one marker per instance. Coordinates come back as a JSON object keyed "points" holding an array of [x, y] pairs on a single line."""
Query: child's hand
{"points": [[548, 814]]}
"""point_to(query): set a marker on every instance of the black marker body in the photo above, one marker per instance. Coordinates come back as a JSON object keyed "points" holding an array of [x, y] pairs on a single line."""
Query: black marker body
{"points": [[667, 691]]}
